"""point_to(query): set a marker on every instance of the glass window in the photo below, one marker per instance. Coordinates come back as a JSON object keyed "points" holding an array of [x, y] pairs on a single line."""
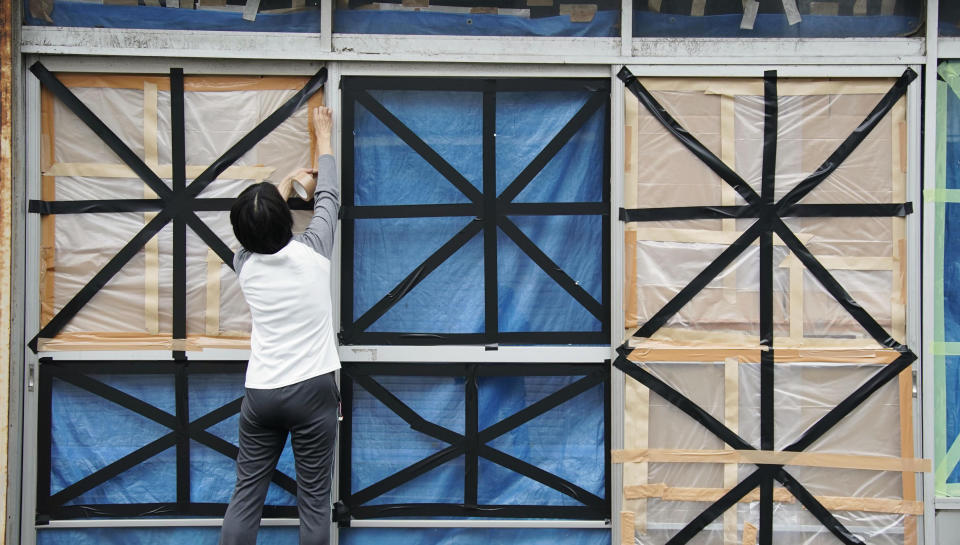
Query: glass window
{"points": [[776, 18]]}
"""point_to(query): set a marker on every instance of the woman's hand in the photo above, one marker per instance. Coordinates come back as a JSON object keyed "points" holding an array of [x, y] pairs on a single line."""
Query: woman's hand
{"points": [[323, 128]]}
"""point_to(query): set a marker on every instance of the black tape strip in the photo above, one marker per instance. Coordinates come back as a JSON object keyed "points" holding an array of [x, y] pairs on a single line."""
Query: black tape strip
{"points": [[491, 288], [700, 281], [416, 422], [556, 209], [797, 210], [593, 104], [213, 241], [412, 211], [767, 414], [850, 144], [505, 338], [251, 139], [686, 213], [182, 391], [109, 138], [541, 407], [138, 510], [553, 270], [845, 407], [570, 512], [178, 155], [834, 288], [403, 476], [112, 470], [418, 145], [215, 416], [504, 369], [345, 435], [94, 207], [113, 395], [816, 508], [414, 278], [688, 140], [231, 451], [682, 402], [543, 477], [348, 254], [471, 461], [718, 507]]}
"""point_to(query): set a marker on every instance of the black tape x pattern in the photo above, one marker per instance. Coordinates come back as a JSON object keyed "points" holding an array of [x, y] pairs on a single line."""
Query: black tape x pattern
{"points": [[182, 432], [490, 211], [177, 205], [769, 216], [473, 444]]}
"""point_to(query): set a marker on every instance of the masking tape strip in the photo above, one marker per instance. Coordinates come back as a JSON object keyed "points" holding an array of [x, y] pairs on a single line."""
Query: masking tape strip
{"points": [[796, 296], [950, 72], [191, 84], [151, 267], [697, 7], [754, 87], [212, 315], [772, 457], [946, 349], [637, 421], [627, 530], [630, 275], [48, 227], [749, 534], [940, 347], [731, 419], [784, 356], [79, 341], [99, 170], [703, 236], [781, 495], [631, 141], [728, 197]]}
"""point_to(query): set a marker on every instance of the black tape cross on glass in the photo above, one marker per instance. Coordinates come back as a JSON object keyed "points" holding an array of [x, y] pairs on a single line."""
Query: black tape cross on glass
{"points": [[473, 444], [177, 205], [489, 209], [183, 430], [768, 214]]}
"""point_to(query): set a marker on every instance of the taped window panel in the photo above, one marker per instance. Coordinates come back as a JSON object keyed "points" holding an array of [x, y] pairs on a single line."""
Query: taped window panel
{"points": [[139, 108], [776, 18], [277, 16], [213, 476], [451, 536], [268, 535], [509, 186], [458, 18], [467, 426], [797, 387]]}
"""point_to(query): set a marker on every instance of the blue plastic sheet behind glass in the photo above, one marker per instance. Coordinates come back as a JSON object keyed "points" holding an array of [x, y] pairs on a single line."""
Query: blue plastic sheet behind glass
{"points": [[89, 432], [952, 387], [388, 172], [87, 14], [604, 23], [771, 25], [156, 536], [567, 441], [472, 536]]}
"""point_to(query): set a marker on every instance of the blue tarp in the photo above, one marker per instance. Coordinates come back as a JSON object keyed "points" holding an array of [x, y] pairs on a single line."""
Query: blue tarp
{"points": [[156, 536], [471, 536], [604, 24], [85, 14], [567, 441], [388, 172], [90, 432]]}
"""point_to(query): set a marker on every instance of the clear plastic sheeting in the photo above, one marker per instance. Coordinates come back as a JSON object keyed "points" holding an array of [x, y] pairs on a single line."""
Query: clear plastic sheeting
{"points": [[473, 536], [594, 18], [156, 536], [137, 303], [229, 15], [776, 18], [864, 254], [713, 376]]}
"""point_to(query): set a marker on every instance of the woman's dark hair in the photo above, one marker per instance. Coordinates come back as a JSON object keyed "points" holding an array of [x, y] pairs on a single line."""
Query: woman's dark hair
{"points": [[261, 219]]}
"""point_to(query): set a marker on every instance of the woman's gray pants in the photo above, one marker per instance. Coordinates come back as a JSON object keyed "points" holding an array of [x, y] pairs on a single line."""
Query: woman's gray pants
{"points": [[308, 411]]}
